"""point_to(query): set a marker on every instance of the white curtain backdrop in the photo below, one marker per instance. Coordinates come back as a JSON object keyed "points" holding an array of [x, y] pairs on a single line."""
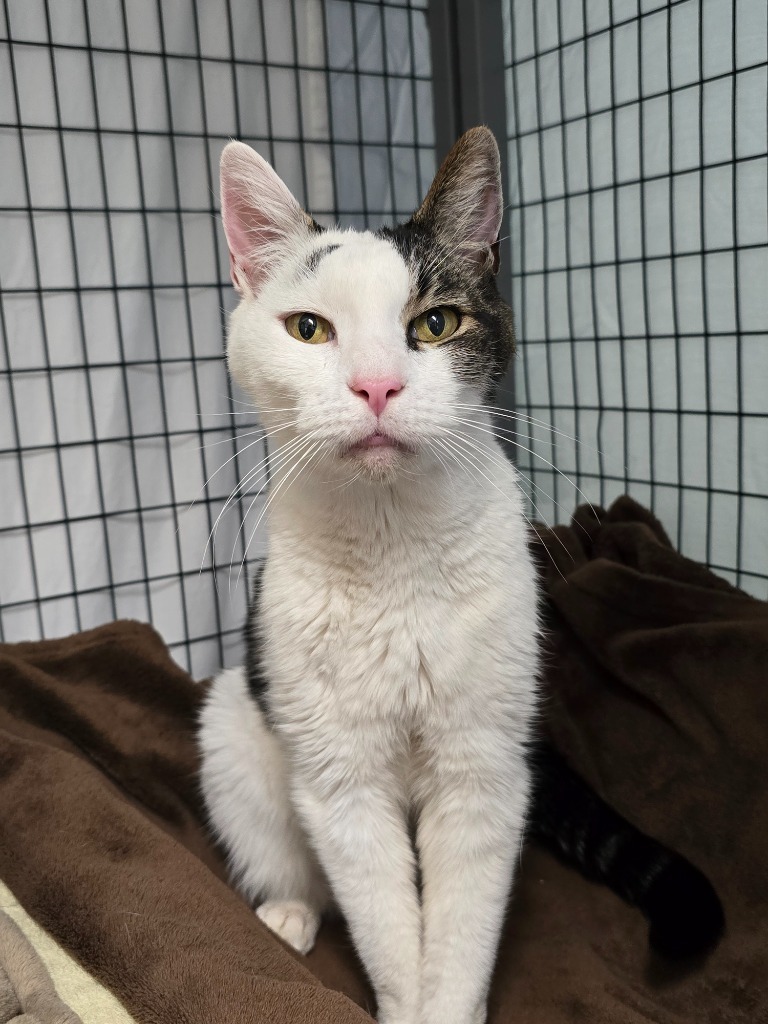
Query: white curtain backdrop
{"points": [[639, 198], [115, 408], [639, 194]]}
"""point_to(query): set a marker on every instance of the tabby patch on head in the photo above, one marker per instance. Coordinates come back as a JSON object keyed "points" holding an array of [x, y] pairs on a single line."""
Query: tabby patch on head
{"points": [[368, 344]]}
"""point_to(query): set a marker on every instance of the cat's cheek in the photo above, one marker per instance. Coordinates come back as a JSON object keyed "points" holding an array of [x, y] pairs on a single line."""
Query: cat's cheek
{"points": [[479, 360], [241, 370], [435, 385], [261, 355]]}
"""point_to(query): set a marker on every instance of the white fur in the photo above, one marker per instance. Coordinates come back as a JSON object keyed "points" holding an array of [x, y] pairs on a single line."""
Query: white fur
{"points": [[399, 629]]}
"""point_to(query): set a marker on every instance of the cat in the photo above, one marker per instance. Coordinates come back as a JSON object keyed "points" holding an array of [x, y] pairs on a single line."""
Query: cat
{"points": [[372, 753], [396, 626]]}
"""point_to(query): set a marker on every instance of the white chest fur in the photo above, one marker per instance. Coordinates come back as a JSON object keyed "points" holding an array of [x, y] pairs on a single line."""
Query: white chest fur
{"points": [[398, 604]]}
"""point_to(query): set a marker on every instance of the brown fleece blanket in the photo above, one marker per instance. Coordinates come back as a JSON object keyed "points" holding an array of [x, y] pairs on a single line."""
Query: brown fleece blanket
{"points": [[657, 691]]}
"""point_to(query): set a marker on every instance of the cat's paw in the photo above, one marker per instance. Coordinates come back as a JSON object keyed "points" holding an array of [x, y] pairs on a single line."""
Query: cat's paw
{"points": [[293, 921]]}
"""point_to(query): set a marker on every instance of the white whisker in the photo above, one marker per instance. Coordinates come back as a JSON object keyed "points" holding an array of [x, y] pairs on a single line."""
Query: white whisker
{"points": [[231, 439], [499, 461], [495, 411], [271, 465], [534, 486], [261, 470], [309, 452], [263, 436], [536, 455], [456, 452]]}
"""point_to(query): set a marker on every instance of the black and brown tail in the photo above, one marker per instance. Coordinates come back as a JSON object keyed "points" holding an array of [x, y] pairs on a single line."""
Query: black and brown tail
{"points": [[569, 818]]}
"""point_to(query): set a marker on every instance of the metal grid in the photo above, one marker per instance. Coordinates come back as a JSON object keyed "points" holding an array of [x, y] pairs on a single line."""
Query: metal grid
{"points": [[115, 409], [639, 230]]}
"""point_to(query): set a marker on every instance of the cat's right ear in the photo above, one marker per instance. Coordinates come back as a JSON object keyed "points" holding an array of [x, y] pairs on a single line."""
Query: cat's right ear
{"points": [[260, 216], [464, 205]]}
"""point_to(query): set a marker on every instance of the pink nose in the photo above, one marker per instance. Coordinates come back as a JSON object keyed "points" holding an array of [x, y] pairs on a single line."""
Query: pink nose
{"points": [[377, 392]]}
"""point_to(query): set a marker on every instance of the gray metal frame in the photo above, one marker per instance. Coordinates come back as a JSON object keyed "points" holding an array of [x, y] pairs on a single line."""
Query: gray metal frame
{"points": [[468, 87]]}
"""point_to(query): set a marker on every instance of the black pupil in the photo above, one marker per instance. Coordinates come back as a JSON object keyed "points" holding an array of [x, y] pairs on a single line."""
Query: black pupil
{"points": [[307, 326], [436, 322]]}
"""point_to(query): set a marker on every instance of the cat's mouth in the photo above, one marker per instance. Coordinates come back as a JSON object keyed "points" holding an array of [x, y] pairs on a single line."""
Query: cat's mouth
{"points": [[379, 440]]}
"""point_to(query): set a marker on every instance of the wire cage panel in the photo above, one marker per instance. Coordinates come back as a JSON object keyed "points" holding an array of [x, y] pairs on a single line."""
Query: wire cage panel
{"points": [[121, 439], [638, 149]]}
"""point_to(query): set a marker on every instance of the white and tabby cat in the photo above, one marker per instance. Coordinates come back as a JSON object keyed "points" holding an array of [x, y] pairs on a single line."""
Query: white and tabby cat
{"points": [[383, 715]]}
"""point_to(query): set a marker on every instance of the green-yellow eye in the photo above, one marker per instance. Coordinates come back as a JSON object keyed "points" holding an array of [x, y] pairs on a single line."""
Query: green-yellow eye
{"points": [[308, 327], [436, 324]]}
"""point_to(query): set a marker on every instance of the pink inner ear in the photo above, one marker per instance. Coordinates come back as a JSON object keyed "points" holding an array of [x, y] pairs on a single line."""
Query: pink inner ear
{"points": [[259, 213], [485, 229], [242, 228], [232, 215]]}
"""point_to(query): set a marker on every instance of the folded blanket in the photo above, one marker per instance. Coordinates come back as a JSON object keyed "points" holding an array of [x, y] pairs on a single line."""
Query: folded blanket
{"points": [[656, 692], [26, 991], [102, 840], [53, 971]]}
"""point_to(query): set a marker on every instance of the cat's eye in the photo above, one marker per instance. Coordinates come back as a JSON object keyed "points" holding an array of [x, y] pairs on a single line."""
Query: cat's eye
{"points": [[436, 324], [308, 327]]}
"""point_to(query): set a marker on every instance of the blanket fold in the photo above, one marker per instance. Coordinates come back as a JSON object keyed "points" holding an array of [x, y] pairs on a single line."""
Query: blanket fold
{"points": [[102, 839], [80, 991], [655, 683], [27, 993]]}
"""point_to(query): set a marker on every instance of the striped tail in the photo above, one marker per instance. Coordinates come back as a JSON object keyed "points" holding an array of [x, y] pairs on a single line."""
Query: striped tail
{"points": [[570, 819]]}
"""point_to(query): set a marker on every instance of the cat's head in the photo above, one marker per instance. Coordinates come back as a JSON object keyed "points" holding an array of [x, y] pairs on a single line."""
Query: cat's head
{"points": [[369, 346]]}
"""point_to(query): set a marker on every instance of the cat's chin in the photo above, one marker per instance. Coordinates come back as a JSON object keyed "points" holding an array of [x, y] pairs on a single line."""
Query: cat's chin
{"points": [[377, 457]]}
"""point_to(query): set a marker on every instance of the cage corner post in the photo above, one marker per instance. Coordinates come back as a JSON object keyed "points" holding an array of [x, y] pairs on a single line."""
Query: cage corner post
{"points": [[468, 76]]}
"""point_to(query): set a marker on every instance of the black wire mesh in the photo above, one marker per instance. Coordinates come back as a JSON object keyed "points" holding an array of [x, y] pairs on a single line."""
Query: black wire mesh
{"points": [[639, 230], [120, 437]]}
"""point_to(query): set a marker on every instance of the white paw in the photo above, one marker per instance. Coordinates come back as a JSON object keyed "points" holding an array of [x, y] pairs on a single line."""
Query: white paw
{"points": [[293, 921]]}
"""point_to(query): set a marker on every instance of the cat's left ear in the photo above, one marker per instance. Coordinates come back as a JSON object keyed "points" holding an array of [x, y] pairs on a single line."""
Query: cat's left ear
{"points": [[464, 205], [261, 217]]}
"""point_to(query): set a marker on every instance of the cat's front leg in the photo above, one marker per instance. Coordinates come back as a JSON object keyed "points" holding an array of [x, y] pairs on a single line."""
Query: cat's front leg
{"points": [[470, 827], [354, 813]]}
